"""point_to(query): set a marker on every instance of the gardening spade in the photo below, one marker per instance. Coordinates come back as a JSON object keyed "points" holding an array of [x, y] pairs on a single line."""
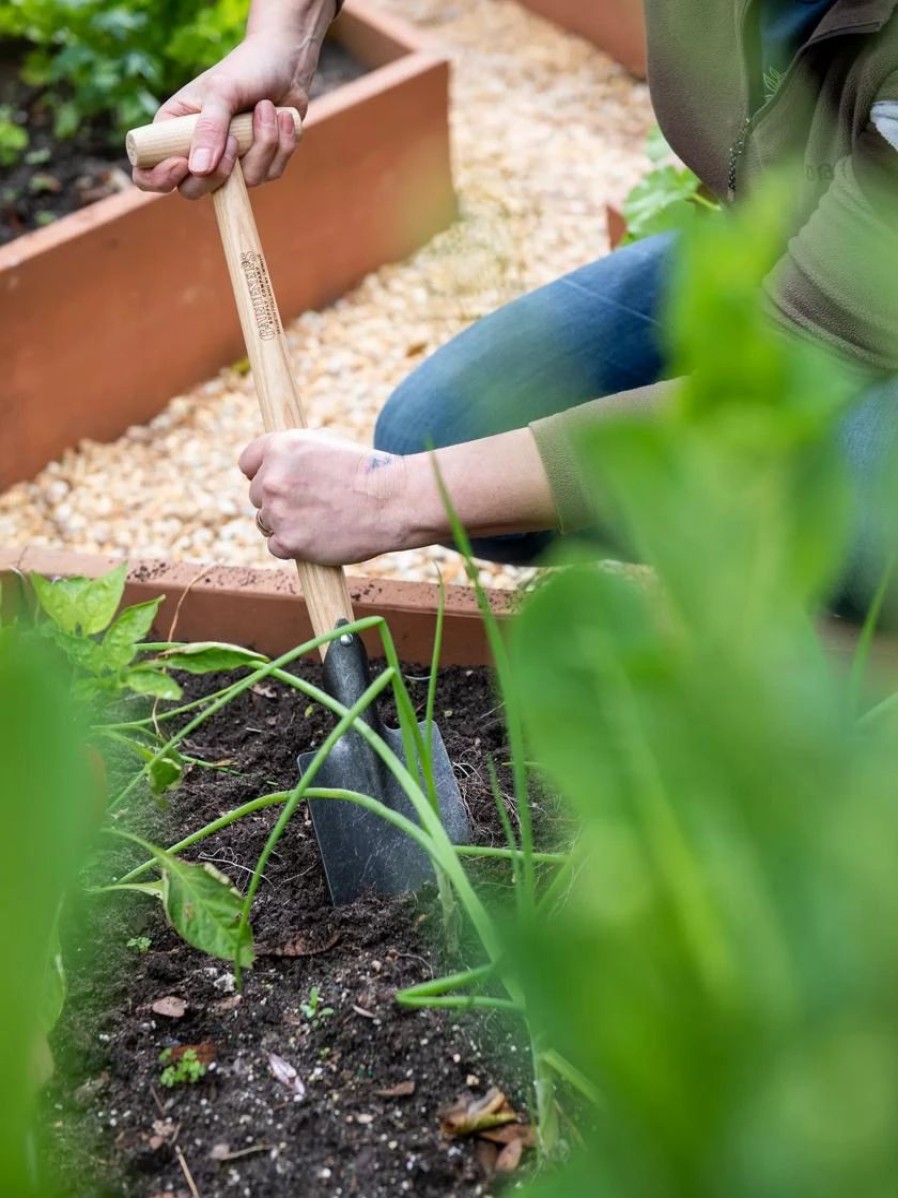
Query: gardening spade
{"points": [[360, 849]]}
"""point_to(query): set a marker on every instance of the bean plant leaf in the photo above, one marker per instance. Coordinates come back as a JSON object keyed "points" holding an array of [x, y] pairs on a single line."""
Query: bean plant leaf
{"points": [[123, 636], [148, 681], [206, 657], [81, 605], [203, 906], [661, 201], [164, 772]]}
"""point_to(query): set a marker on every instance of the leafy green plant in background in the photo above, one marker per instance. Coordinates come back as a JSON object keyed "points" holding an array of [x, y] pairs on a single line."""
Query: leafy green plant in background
{"points": [[118, 60], [13, 138], [667, 199], [723, 966]]}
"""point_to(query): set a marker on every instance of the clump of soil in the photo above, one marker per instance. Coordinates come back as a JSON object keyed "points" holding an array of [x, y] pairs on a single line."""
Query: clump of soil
{"points": [[54, 177], [375, 1076]]}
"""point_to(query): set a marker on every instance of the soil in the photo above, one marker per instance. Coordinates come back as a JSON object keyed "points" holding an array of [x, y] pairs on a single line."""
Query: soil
{"points": [[376, 1075], [55, 177]]}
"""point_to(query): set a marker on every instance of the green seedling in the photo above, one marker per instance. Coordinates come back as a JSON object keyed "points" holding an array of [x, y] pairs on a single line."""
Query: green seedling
{"points": [[187, 1070], [313, 1010], [140, 944]]}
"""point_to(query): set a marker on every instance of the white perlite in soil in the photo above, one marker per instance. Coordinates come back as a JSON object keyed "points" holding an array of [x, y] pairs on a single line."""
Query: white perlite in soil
{"points": [[546, 130]]}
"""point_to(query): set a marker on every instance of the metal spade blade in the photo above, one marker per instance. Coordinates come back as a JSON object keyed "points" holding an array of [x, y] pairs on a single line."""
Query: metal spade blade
{"points": [[361, 851]]}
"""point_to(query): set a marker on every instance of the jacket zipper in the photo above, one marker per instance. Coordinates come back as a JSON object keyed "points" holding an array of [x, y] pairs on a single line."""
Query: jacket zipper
{"points": [[748, 124]]}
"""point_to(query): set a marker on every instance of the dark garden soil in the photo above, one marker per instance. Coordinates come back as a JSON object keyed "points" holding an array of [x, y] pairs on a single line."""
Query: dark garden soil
{"points": [[376, 1076], [55, 177]]}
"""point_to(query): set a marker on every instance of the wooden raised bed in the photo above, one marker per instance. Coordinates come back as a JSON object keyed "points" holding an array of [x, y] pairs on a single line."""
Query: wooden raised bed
{"points": [[113, 310], [263, 609], [615, 26]]}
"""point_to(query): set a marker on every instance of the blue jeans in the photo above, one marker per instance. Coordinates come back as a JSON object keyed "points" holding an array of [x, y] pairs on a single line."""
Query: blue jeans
{"points": [[593, 333]]}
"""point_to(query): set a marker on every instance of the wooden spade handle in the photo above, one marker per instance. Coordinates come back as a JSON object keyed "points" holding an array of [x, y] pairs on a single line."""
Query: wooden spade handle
{"points": [[324, 587], [151, 144]]}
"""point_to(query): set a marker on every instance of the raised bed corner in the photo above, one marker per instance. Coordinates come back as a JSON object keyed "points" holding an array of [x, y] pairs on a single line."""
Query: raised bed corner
{"points": [[615, 26], [112, 311]]}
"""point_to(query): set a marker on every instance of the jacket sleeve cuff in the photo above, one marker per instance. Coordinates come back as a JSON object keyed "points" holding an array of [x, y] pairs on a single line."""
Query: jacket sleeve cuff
{"points": [[558, 440]]}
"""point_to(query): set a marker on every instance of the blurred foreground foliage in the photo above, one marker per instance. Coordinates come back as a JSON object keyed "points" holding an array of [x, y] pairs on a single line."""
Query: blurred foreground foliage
{"points": [[47, 786], [120, 59], [724, 964]]}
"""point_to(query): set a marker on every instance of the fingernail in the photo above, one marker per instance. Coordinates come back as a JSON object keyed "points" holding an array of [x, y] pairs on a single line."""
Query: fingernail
{"points": [[201, 160]]}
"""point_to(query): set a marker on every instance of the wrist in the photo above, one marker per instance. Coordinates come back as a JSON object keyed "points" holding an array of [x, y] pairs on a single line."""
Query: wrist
{"points": [[423, 516], [298, 23]]}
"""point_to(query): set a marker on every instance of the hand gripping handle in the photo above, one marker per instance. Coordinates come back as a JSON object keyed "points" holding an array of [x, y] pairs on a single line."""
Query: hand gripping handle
{"points": [[152, 144]]}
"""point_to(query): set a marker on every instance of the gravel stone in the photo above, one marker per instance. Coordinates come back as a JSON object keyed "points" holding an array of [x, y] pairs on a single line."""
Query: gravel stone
{"points": [[546, 131]]}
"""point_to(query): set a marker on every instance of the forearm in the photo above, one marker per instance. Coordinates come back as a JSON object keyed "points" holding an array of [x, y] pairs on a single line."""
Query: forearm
{"points": [[294, 19], [496, 485], [330, 501]]}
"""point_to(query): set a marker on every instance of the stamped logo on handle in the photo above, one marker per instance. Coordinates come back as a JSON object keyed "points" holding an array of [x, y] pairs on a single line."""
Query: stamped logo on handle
{"points": [[261, 296]]}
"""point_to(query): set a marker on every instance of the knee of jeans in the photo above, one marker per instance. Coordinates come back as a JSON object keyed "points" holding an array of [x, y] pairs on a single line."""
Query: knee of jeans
{"points": [[394, 429], [425, 411]]}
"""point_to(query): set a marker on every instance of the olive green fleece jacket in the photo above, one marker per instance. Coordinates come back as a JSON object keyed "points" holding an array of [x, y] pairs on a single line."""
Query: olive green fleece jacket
{"points": [[833, 127]]}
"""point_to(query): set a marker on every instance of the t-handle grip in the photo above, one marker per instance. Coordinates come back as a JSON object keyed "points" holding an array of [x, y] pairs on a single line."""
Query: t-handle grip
{"points": [[152, 144]]}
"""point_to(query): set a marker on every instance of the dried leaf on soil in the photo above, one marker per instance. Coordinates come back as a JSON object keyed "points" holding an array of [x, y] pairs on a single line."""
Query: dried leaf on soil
{"points": [[470, 1116], [227, 1004], [400, 1090], [511, 1133], [501, 1139], [510, 1157], [306, 944], [284, 1072], [170, 1006]]}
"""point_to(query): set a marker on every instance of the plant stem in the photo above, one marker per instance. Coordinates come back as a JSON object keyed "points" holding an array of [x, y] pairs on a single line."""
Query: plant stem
{"points": [[223, 821]]}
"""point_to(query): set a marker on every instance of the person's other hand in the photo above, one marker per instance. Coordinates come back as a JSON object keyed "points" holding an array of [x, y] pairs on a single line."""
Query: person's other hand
{"points": [[263, 71], [326, 500]]}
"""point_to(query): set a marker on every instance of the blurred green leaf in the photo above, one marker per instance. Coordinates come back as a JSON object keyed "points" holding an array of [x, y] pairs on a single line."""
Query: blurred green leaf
{"points": [[46, 786]]}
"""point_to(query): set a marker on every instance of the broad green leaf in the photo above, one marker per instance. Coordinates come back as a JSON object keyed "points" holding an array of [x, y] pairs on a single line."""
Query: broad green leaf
{"points": [[204, 907], [81, 605], [670, 218], [147, 681], [165, 772], [206, 657], [131, 627], [662, 201]]}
